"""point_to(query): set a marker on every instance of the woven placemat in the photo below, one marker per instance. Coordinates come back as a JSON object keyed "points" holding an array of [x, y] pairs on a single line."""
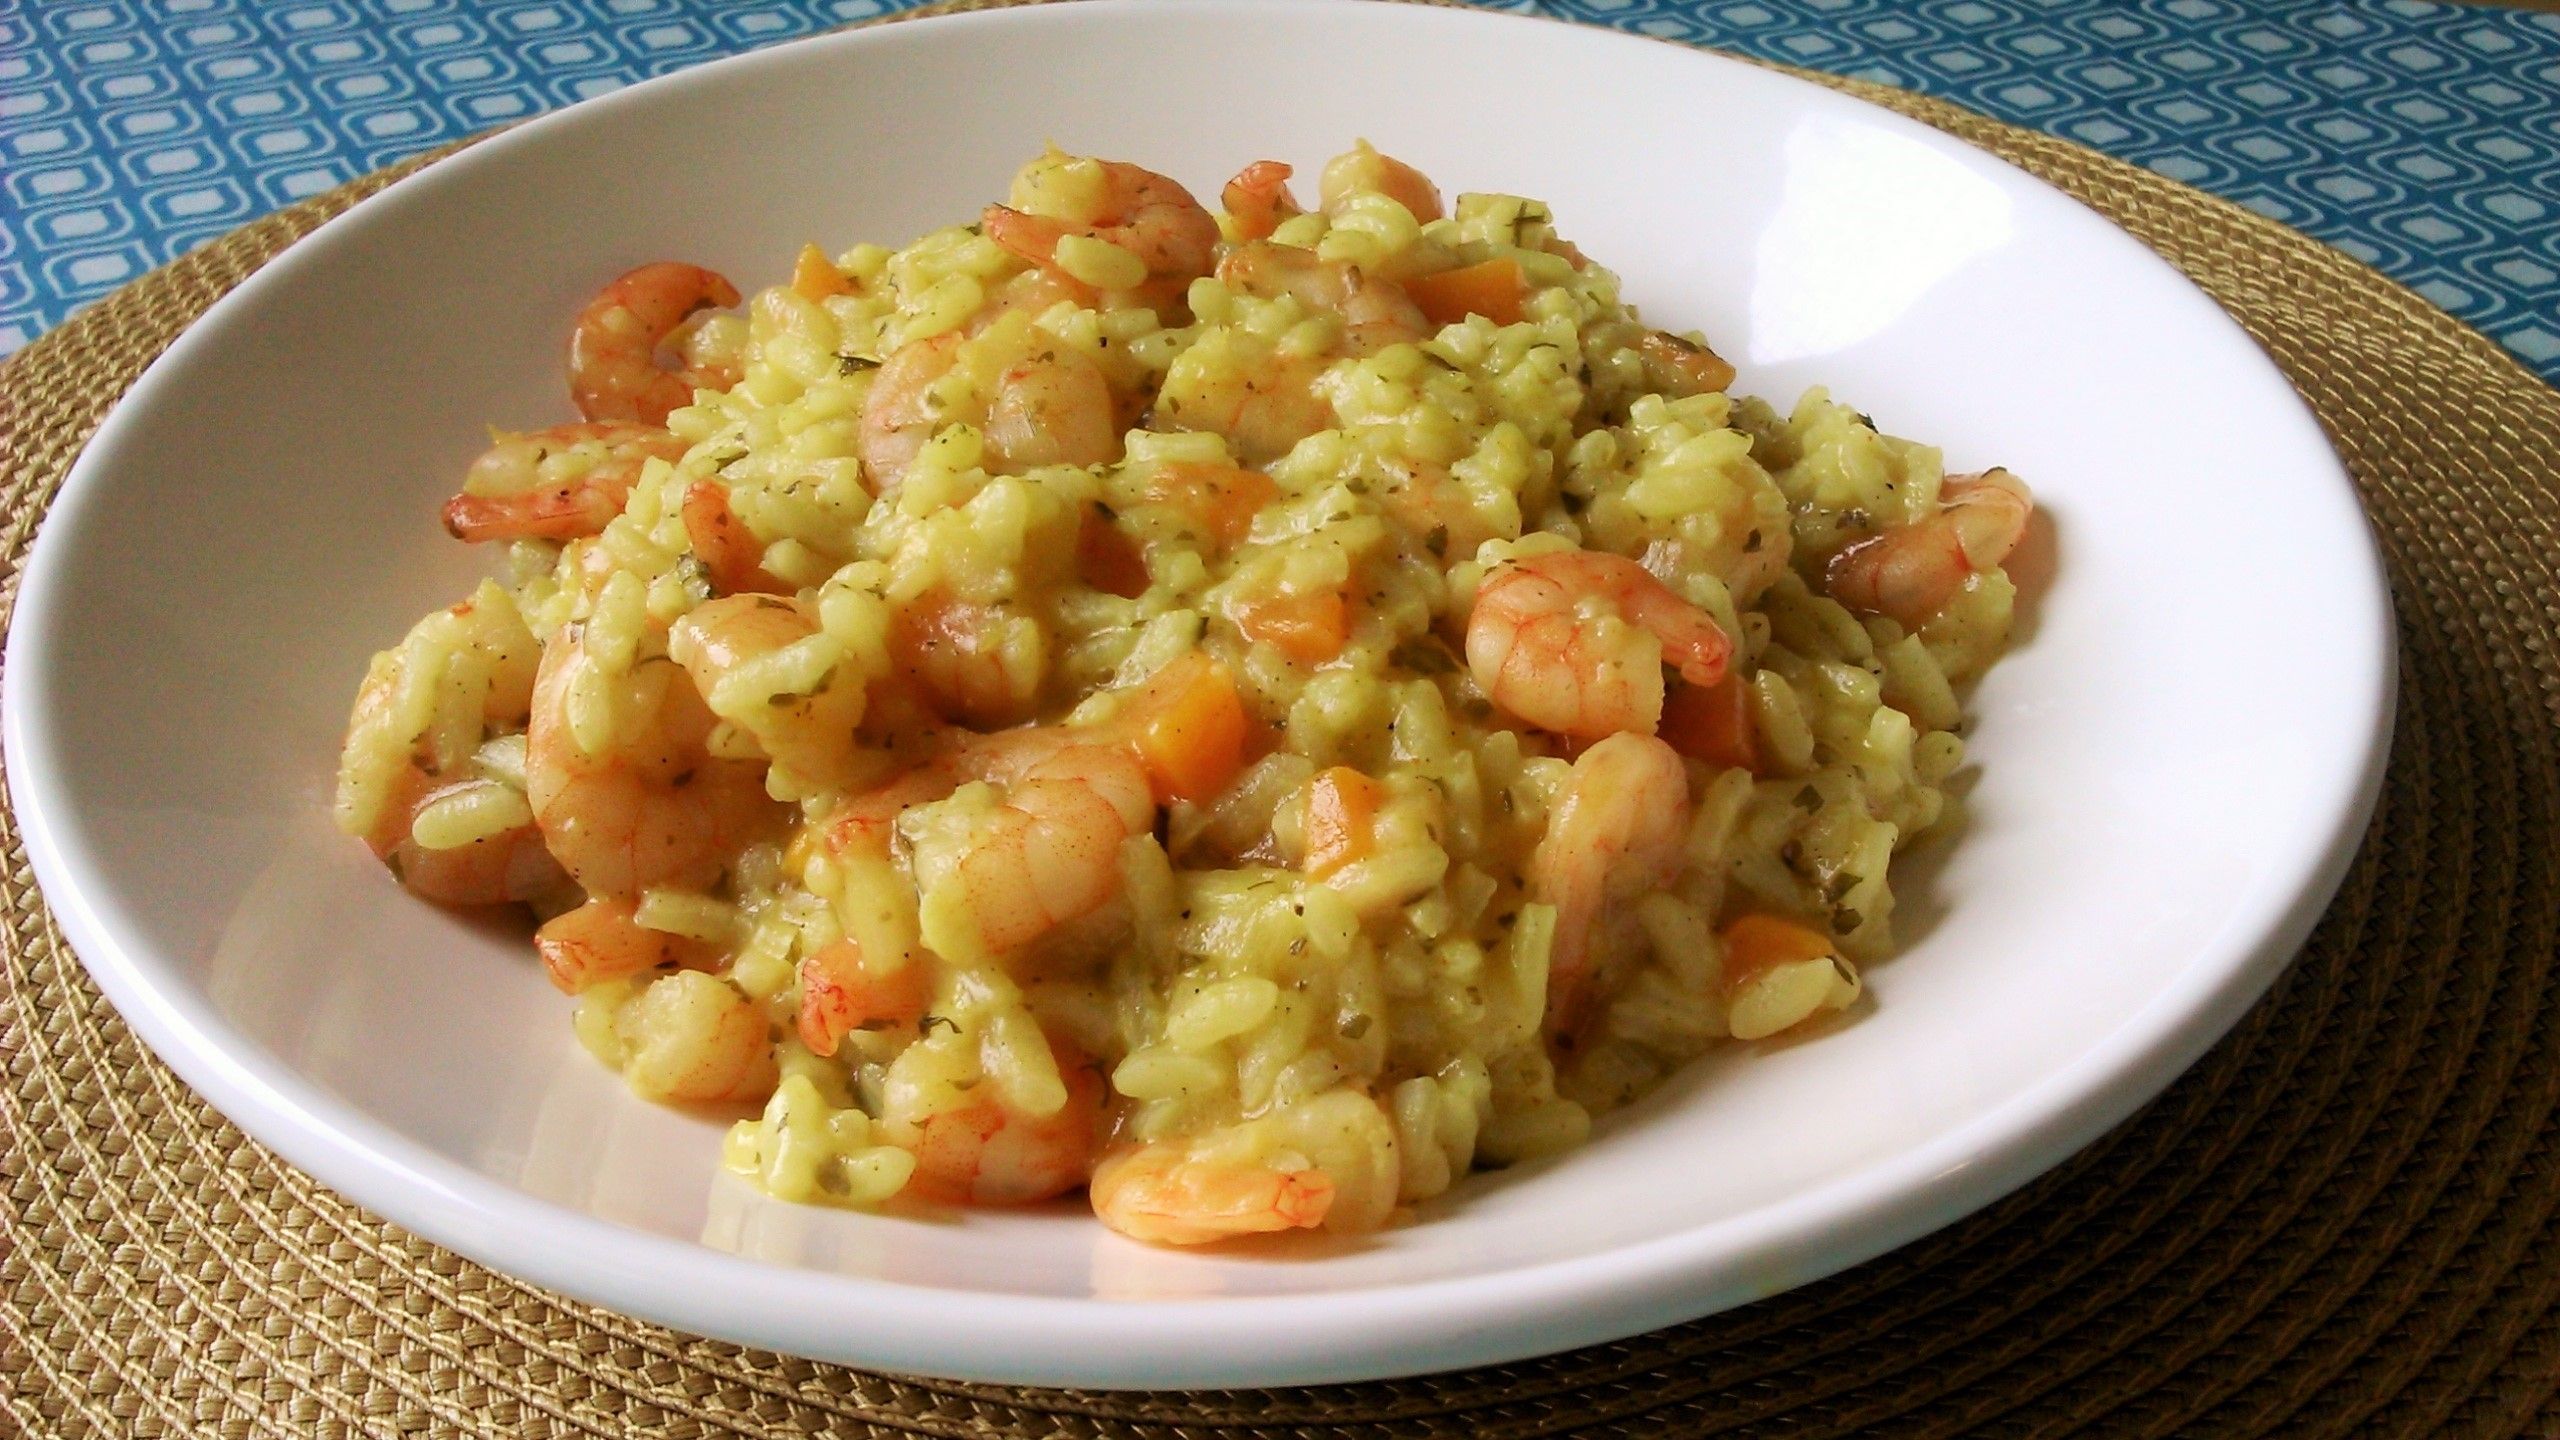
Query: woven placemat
{"points": [[2343, 1220]]}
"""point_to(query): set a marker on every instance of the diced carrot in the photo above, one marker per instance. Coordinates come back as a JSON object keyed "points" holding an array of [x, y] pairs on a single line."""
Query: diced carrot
{"points": [[839, 994], [1221, 498], [815, 276], [1341, 816], [1756, 944], [724, 545], [1189, 725], [1692, 368], [1108, 560], [1712, 723], [1310, 627], [1494, 289]]}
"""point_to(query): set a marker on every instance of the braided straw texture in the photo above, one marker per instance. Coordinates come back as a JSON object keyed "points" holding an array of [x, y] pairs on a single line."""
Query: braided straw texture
{"points": [[2343, 1220]]}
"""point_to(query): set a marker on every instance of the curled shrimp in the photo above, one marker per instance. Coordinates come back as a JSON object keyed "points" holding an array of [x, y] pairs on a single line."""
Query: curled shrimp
{"points": [[1618, 833], [1053, 408], [564, 483], [1426, 498], [694, 1039], [1032, 293], [1260, 396], [899, 414], [843, 987], [509, 867], [1374, 313], [655, 807], [1362, 169], [1046, 406], [1258, 199], [723, 543], [973, 663], [601, 940], [1146, 214], [1574, 641], [840, 992], [1047, 854], [1242, 387], [1166, 1195], [729, 646], [398, 763], [1909, 572], [987, 1152], [613, 353]]}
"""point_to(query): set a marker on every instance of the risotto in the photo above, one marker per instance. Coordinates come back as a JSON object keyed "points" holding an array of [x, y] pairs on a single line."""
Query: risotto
{"points": [[1248, 714]]}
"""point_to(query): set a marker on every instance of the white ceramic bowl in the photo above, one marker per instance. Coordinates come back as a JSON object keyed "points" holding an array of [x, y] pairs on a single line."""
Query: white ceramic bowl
{"points": [[2176, 764]]}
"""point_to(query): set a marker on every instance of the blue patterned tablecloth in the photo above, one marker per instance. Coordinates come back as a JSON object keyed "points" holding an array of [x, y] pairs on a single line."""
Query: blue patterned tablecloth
{"points": [[2422, 138]]}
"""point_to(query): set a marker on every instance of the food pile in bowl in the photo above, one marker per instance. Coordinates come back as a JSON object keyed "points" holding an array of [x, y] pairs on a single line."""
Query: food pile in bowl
{"points": [[1250, 714]]}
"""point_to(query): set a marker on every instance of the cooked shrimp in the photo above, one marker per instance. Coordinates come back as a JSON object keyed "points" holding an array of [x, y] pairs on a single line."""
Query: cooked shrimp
{"points": [[1574, 641], [1908, 573], [724, 544], [1048, 406], [900, 413], [841, 987], [1220, 500], [1244, 388], [563, 483], [1258, 199], [656, 808], [985, 1152], [1147, 214], [1053, 408], [692, 1038], [1617, 834], [1362, 169], [506, 868], [1049, 852], [613, 353], [1031, 294], [1263, 398], [803, 724], [1165, 1195], [601, 941], [840, 992], [399, 761], [1429, 501], [976, 664], [1374, 313]]}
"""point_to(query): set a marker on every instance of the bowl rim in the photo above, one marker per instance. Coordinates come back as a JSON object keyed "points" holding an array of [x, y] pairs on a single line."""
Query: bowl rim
{"points": [[1327, 1336]]}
